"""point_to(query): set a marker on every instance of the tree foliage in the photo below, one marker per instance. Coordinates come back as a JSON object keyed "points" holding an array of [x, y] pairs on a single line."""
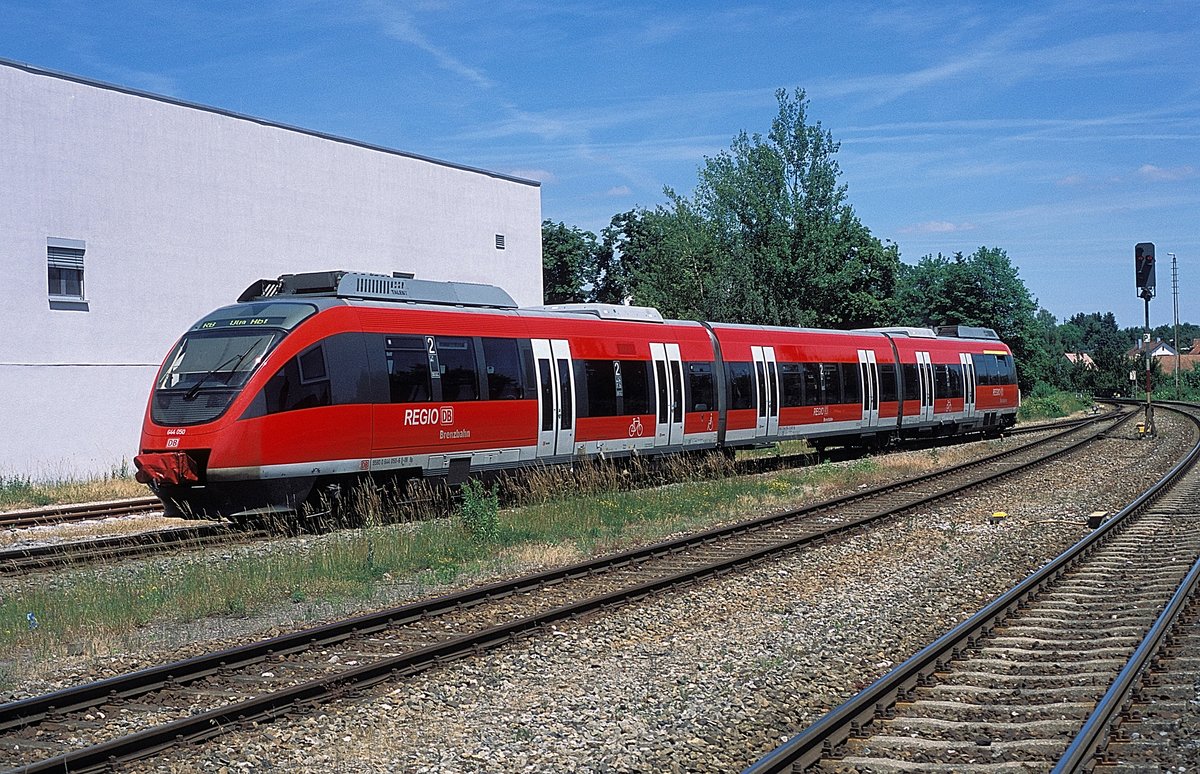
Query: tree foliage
{"points": [[569, 263], [982, 289], [767, 237]]}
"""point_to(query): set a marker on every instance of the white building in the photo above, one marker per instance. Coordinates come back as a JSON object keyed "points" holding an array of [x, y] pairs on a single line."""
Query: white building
{"points": [[128, 215]]}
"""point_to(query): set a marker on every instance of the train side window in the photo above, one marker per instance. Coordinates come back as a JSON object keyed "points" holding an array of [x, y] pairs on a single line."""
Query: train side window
{"points": [[983, 369], [502, 360], [598, 393], [456, 357], [887, 383], [812, 384], [301, 383], [791, 385], [408, 370], [1006, 372], [941, 380], [700, 387], [851, 383], [312, 365], [741, 385], [957, 383], [912, 382], [831, 382], [635, 386]]}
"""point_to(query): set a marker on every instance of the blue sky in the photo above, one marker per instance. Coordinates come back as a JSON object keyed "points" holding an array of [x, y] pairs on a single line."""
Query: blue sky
{"points": [[1062, 131]]}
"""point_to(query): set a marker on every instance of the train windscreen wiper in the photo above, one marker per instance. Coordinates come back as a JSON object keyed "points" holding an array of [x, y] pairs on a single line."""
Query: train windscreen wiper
{"points": [[236, 360]]}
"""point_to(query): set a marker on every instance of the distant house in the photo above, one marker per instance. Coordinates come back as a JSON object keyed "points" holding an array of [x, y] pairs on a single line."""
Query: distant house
{"points": [[1081, 358], [1158, 348], [1166, 355]]}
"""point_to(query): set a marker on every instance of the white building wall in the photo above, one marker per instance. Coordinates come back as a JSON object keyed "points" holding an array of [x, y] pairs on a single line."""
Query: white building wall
{"points": [[180, 208]]}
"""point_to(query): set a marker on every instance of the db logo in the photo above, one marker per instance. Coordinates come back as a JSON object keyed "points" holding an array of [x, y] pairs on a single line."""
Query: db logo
{"points": [[172, 443], [443, 415]]}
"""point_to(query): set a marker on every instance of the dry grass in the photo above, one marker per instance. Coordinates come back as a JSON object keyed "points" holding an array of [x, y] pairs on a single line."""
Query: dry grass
{"points": [[18, 493]]}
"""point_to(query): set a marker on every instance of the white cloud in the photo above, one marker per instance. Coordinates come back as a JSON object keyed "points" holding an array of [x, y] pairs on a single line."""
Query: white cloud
{"points": [[620, 190], [1161, 175], [937, 227]]}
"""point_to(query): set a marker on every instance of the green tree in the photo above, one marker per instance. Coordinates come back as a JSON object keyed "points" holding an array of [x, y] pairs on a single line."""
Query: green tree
{"points": [[569, 263], [982, 289], [767, 237]]}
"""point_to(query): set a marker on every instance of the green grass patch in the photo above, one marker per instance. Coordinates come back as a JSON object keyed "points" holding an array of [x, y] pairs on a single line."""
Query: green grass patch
{"points": [[1046, 403], [110, 605]]}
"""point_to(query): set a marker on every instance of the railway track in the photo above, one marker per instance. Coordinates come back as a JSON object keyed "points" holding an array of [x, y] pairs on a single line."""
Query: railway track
{"points": [[62, 514], [130, 716], [121, 547], [1053, 675]]}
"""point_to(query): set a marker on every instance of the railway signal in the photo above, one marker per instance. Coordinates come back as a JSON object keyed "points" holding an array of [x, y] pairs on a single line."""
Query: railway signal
{"points": [[1143, 264], [1143, 259]]}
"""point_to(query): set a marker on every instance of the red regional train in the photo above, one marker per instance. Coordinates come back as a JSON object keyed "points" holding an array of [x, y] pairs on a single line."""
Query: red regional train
{"points": [[314, 380]]}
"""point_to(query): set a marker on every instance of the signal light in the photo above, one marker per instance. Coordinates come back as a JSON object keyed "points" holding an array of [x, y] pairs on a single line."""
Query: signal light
{"points": [[1143, 260]]}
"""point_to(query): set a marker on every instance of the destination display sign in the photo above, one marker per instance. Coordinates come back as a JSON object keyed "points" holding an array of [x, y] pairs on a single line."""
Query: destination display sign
{"points": [[240, 322]]}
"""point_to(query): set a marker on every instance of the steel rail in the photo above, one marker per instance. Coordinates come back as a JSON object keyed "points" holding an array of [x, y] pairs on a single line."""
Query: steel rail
{"points": [[29, 558], [212, 722], [58, 514], [829, 732], [18, 713]]}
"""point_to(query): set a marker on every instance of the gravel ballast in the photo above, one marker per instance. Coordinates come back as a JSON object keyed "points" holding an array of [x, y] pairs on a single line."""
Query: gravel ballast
{"points": [[710, 678]]}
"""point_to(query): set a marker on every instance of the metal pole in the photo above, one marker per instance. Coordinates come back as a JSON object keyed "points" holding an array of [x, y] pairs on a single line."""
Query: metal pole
{"points": [[1146, 344], [1175, 294]]}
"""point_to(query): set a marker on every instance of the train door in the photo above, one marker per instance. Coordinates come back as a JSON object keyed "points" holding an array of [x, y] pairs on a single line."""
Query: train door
{"points": [[968, 370], [766, 385], [556, 397], [869, 370], [668, 389], [925, 377]]}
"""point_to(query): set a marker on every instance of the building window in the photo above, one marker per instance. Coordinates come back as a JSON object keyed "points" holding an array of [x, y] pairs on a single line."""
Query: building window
{"points": [[499, 241], [64, 269]]}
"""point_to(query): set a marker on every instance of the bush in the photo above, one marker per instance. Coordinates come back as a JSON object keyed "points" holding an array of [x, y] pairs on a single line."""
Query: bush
{"points": [[480, 512], [1047, 403]]}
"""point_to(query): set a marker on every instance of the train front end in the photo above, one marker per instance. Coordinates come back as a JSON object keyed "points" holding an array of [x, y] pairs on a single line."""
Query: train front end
{"points": [[205, 384]]}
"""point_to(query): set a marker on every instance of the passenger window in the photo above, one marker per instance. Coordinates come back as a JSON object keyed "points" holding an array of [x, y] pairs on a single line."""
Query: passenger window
{"points": [[502, 360], [887, 382], [700, 387], [912, 382], [635, 386], [408, 369], [456, 358], [741, 385], [831, 378], [813, 395], [600, 387], [791, 384], [851, 382]]}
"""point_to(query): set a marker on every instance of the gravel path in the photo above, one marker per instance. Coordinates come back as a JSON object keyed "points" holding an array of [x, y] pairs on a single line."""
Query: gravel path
{"points": [[709, 679]]}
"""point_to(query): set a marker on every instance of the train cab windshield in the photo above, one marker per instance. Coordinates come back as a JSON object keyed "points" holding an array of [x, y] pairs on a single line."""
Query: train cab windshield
{"points": [[216, 358]]}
